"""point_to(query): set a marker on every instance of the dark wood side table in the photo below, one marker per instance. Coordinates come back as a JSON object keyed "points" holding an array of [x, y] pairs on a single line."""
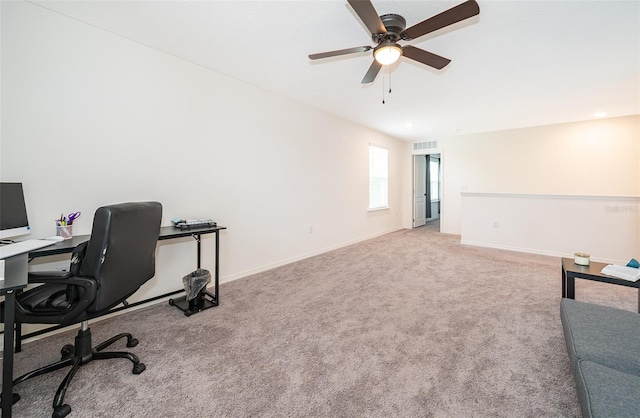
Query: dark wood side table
{"points": [[572, 271]]}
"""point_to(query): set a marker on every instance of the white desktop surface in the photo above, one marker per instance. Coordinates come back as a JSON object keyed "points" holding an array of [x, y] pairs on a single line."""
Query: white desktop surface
{"points": [[20, 247]]}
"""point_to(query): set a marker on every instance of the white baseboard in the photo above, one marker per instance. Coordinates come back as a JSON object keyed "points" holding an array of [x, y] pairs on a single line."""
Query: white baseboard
{"points": [[535, 251], [250, 272]]}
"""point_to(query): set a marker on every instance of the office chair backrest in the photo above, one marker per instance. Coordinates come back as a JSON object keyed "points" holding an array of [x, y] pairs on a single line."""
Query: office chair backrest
{"points": [[120, 254]]}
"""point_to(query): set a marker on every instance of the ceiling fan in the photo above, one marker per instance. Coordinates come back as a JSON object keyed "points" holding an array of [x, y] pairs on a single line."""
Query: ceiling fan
{"points": [[387, 30]]}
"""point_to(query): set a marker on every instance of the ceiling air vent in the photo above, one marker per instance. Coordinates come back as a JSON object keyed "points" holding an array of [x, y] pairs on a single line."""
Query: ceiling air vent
{"points": [[417, 146]]}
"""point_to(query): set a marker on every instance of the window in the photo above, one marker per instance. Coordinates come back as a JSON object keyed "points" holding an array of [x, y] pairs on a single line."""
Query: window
{"points": [[378, 177], [434, 178]]}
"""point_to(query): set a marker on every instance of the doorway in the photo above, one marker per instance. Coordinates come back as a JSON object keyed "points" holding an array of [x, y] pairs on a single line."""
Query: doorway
{"points": [[427, 189]]}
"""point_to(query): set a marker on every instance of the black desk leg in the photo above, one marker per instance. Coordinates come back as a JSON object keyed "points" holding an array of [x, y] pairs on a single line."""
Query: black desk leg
{"points": [[638, 300], [7, 359], [564, 283], [571, 286], [217, 268], [197, 238], [18, 337]]}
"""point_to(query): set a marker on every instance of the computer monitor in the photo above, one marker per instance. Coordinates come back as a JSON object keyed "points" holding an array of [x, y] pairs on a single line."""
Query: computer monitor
{"points": [[13, 211]]}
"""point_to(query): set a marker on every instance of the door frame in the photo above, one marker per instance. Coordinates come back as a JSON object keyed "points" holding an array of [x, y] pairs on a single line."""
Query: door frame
{"points": [[414, 204], [424, 152]]}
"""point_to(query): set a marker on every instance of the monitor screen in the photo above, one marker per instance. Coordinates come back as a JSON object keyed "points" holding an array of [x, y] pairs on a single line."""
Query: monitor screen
{"points": [[13, 211]]}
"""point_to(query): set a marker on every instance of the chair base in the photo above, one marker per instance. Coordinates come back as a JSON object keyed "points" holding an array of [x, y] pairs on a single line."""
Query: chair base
{"points": [[78, 355]]}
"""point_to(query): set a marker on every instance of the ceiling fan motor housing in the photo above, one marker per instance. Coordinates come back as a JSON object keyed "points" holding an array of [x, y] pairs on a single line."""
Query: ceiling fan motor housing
{"points": [[394, 24]]}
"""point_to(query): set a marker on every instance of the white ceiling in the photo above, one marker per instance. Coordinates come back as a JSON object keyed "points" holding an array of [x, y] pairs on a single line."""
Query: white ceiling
{"points": [[517, 64]]}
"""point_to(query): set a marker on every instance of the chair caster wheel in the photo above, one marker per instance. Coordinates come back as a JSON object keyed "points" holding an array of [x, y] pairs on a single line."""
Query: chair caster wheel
{"points": [[132, 342], [61, 411], [187, 312], [139, 368], [171, 303], [67, 351]]}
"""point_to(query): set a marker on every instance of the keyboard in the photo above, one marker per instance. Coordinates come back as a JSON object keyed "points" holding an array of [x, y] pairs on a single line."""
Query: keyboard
{"points": [[25, 246]]}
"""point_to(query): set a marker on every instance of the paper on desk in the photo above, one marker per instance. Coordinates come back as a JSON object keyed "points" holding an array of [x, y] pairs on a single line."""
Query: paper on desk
{"points": [[622, 272]]}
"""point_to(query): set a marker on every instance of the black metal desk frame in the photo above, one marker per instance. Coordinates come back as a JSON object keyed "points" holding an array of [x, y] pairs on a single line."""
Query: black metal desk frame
{"points": [[10, 288], [166, 233], [206, 300], [572, 271]]}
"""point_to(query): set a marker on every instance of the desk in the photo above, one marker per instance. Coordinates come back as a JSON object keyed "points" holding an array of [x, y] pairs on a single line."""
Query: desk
{"points": [[166, 232], [572, 271], [16, 278]]}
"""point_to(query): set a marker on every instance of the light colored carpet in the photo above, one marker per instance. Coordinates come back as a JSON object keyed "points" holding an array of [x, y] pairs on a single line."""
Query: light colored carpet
{"points": [[410, 324]]}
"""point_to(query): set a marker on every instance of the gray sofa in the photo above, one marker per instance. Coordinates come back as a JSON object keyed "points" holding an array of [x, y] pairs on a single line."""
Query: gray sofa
{"points": [[604, 349]]}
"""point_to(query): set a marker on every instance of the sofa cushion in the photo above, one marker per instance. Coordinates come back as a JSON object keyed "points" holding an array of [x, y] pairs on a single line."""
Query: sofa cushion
{"points": [[604, 335], [605, 392]]}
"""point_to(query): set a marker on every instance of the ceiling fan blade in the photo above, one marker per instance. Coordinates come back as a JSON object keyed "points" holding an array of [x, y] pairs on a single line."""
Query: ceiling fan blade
{"points": [[339, 52], [367, 13], [456, 14], [425, 57], [372, 72]]}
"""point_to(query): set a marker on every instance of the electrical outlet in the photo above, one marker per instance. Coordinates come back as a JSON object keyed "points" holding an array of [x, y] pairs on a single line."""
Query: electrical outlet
{"points": [[496, 224], [311, 229]]}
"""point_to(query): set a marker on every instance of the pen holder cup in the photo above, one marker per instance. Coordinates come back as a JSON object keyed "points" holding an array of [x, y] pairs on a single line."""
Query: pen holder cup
{"points": [[64, 231]]}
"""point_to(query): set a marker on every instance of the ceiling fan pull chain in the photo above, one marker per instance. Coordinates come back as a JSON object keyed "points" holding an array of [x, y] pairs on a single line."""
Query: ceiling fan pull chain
{"points": [[382, 90], [389, 79]]}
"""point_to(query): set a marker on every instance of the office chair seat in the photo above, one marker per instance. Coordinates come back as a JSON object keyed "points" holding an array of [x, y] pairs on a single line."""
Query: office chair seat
{"points": [[118, 259], [49, 300]]}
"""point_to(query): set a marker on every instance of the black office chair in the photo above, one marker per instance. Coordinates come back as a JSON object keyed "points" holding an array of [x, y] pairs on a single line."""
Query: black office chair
{"points": [[118, 259]]}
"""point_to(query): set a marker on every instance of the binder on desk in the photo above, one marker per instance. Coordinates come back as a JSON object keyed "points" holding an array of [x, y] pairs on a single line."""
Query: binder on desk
{"points": [[622, 272], [192, 223]]}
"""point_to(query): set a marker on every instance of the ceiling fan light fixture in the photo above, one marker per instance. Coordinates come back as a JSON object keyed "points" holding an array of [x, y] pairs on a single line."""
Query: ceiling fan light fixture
{"points": [[387, 53]]}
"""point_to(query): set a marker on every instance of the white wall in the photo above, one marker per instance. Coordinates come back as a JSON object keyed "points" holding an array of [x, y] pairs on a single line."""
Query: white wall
{"points": [[576, 164], [606, 227], [591, 158], [89, 118]]}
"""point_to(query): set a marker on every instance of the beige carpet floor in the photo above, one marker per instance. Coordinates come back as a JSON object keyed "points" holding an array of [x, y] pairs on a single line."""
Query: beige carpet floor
{"points": [[409, 324]]}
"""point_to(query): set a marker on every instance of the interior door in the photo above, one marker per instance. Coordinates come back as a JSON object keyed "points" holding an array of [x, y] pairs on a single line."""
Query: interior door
{"points": [[419, 190]]}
